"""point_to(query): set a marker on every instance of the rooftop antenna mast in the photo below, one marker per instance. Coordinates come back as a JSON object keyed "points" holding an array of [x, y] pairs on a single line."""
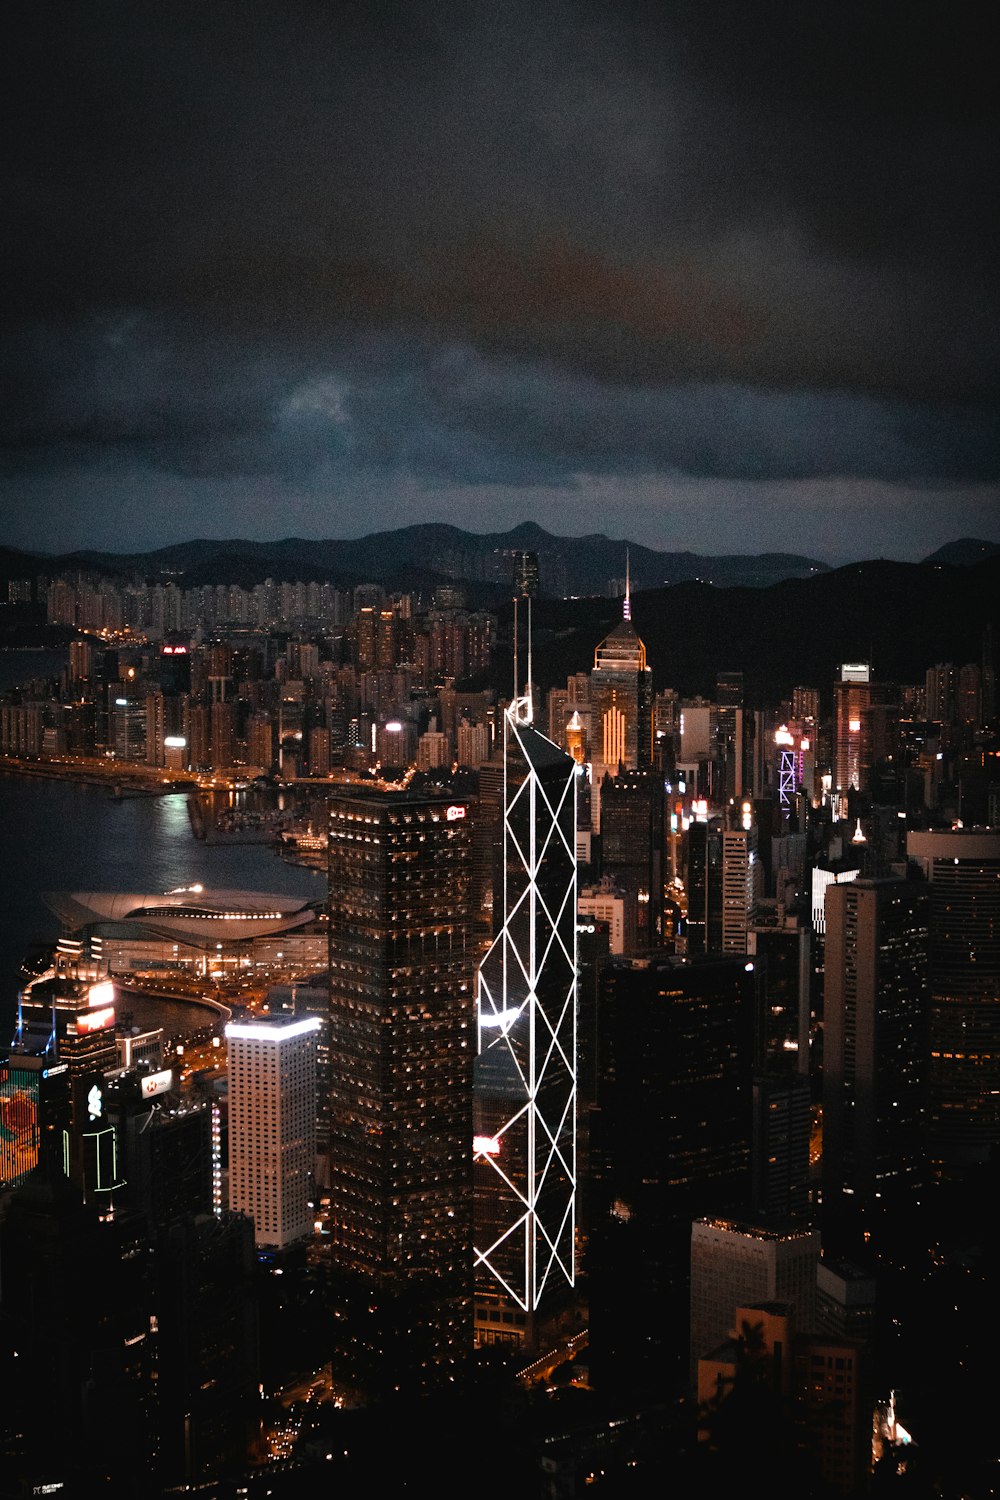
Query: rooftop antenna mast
{"points": [[627, 605], [525, 587]]}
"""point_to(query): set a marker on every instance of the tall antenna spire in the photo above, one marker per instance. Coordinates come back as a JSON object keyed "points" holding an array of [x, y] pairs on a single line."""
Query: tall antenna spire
{"points": [[627, 605], [525, 586]]}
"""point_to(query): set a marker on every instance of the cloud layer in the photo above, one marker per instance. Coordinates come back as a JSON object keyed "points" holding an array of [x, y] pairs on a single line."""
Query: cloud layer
{"points": [[435, 249]]}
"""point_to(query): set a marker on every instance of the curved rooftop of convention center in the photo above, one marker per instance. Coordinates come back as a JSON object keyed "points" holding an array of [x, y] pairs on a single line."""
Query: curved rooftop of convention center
{"points": [[189, 914]]}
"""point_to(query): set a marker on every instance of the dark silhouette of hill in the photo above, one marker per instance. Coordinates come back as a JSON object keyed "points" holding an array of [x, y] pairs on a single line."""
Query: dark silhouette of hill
{"points": [[966, 551], [568, 565], [902, 617]]}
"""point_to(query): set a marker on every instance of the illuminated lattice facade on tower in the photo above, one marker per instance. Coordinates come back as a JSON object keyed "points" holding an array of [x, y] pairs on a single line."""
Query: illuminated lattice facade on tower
{"points": [[525, 1088]]}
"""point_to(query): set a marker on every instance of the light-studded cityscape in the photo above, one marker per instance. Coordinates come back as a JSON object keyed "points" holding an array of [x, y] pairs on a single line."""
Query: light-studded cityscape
{"points": [[632, 1067], [499, 750]]}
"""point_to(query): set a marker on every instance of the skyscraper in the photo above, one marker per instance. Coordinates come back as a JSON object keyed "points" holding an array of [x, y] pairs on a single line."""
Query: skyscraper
{"points": [[780, 1153], [852, 696], [621, 696], [525, 1080], [272, 1126], [875, 1040], [633, 822], [741, 886], [963, 867], [399, 1087], [670, 1141]]}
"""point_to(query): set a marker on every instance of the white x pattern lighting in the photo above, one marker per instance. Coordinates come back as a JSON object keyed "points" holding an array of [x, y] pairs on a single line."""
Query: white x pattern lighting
{"points": [[527, 1034]]}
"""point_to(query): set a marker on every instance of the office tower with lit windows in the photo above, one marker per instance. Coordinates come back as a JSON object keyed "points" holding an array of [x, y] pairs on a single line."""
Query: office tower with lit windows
{"points": [[272, 1126], [728, 740], [741, 887], [633, 825], [782, 1120], [852, 698], [702, 862], [963, 868], [525, 1078], [670, 1141], [398, 1092], [874, 1047], [621, 703]]}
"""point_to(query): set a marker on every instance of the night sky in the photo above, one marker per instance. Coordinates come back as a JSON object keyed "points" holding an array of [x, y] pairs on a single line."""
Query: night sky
{"points": [[711, 275]]}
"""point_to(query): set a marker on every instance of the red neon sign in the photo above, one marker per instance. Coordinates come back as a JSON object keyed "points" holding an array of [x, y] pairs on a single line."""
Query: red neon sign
{"points": [[96, 1020]]}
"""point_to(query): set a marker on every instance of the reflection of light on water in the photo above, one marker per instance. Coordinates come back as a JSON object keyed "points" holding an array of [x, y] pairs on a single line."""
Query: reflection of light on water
{"points": [[173, 815]]}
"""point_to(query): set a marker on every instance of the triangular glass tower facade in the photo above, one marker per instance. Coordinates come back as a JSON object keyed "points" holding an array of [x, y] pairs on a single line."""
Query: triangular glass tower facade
{"points": [[525, 1077]]}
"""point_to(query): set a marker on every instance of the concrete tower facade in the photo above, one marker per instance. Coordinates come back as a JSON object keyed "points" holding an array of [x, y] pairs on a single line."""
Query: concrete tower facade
{"points": [[272, 1126], [735, 1263]]}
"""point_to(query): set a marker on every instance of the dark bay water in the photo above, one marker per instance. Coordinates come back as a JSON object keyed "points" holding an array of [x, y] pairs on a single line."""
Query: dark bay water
{"points": [[18, 667], [58, 836]]}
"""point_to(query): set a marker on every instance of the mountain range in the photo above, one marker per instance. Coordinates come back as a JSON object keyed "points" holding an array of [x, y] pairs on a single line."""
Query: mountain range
{"points": [[781, 619], [415, 556], [900, 617], [419, 555]]}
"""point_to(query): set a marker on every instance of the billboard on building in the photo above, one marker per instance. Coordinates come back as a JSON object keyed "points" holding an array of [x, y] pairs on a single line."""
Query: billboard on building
{"points": [[18, 1123]]}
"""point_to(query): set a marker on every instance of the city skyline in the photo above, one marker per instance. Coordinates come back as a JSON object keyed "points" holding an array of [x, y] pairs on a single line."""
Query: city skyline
{"points": [[685, 274], [682, 1072]]}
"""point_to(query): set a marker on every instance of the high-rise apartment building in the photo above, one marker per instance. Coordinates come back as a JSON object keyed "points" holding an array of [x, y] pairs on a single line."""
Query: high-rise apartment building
{"points": [[272, 1126], [396, 1103], [941, 692]]}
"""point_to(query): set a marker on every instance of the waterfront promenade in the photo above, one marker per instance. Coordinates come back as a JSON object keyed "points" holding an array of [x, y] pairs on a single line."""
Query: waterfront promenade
{"points": [[128, 776]]}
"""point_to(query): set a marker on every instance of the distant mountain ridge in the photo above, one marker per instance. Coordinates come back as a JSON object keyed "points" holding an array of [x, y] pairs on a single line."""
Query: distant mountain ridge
{"points": [[421, 555], [568, 566], [967, 551], [900, 617]]}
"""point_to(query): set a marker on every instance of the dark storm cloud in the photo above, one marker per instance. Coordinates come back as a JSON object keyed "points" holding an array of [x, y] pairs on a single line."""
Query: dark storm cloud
{"points": [[445, 414], [502, 243]]}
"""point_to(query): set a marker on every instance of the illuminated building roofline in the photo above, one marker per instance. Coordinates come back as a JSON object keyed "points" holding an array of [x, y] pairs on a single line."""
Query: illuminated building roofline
{"points": [[276, 1031], [757, 1231]]}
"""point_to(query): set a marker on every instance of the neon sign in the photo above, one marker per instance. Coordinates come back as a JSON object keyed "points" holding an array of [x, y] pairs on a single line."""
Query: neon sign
{"points": [[96, 1020]]}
